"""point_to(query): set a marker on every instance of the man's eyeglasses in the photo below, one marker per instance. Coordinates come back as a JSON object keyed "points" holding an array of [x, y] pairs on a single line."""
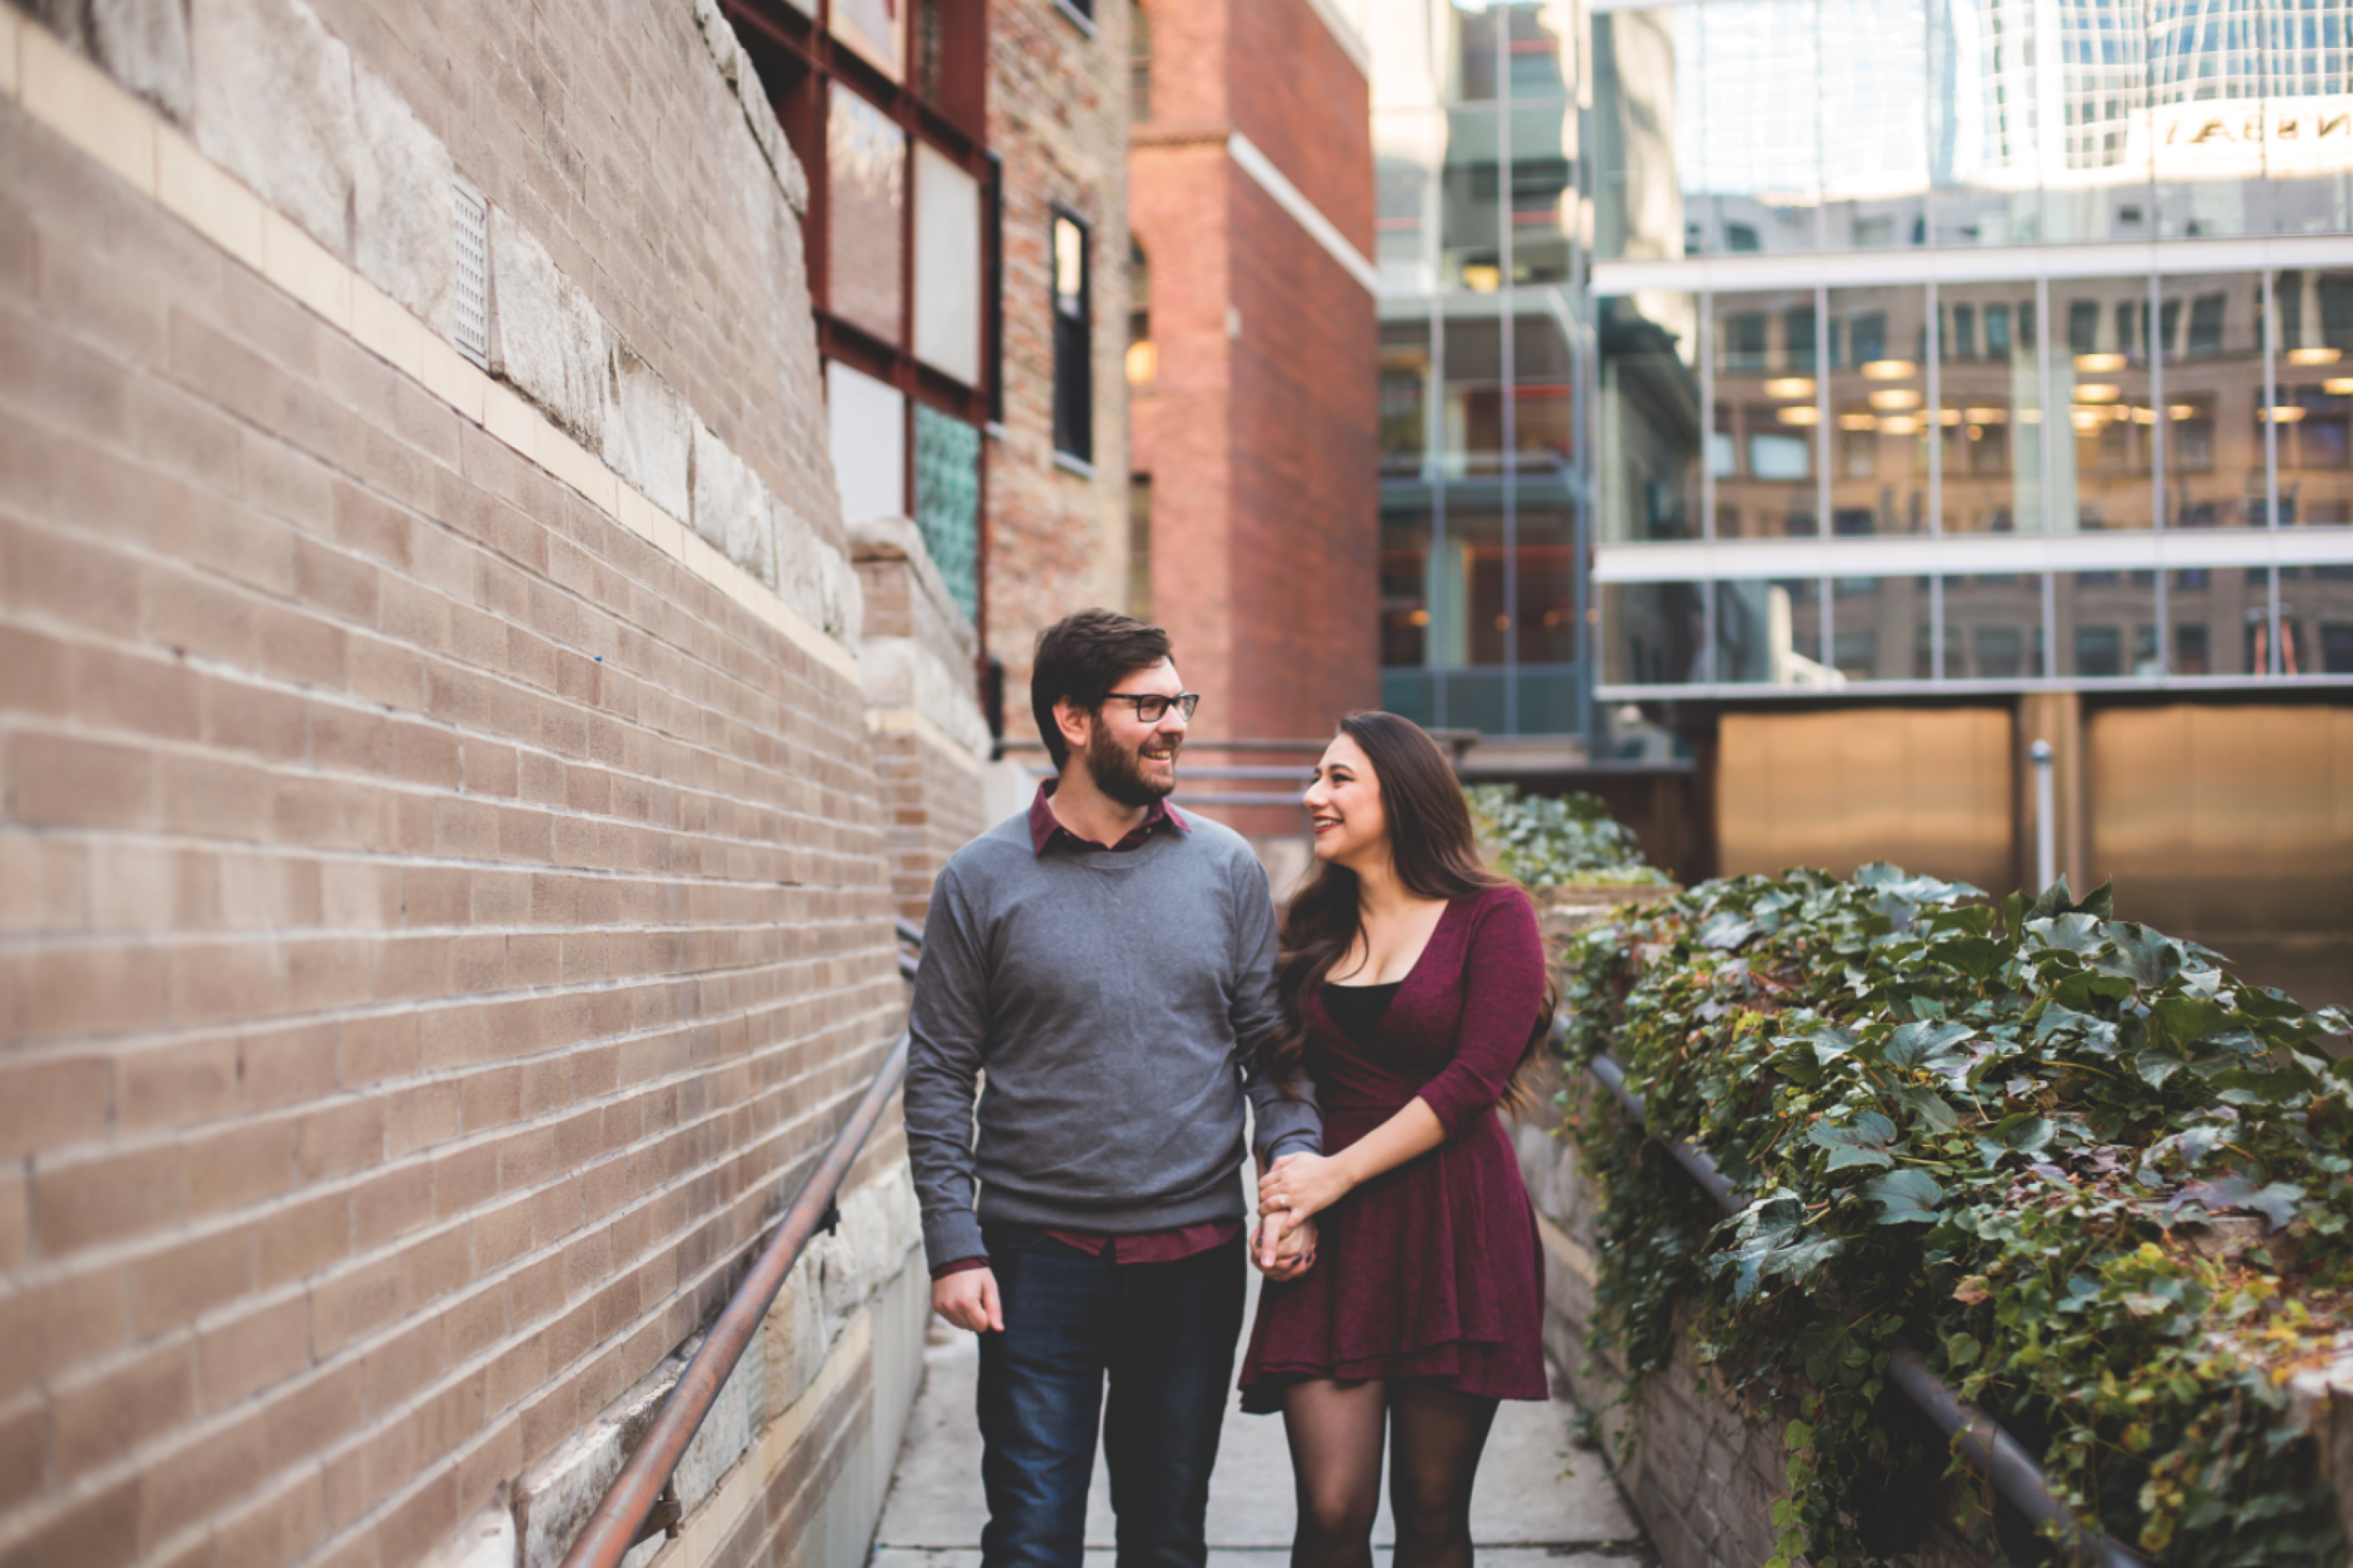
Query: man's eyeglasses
{"points": [[1151, 707]]}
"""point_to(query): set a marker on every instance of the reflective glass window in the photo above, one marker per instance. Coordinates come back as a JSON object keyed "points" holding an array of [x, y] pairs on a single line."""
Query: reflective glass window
{"points": [[1875, 141], [865, 194], [1652, 634], [1770, 633], [2308, 130], [1984, 166], [1408, 147], [1405, 603], [1539, 48], [1404, 394], [2316, 619], [1879, 626], [2106, 624], [1469, 612], [1470, 201], [1760, 88], [2209, 331], [1879, 440], [2315, 411], [1767, 416], [2103, 463], [1543, 397], [1471, 410], [1989, 413], [2215, 619], [1646, 480], [2096, 159], [1544, 609], [1475, 32], [1993, 627], [1646, 144], [1544, 197], [2205, 85]]}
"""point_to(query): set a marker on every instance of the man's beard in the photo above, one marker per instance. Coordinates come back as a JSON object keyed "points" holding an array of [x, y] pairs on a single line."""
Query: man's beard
{"points": [[1118, 771]]}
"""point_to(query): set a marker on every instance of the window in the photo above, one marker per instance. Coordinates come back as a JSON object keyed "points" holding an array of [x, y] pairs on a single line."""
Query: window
{"points": [[1140, 546], [1073, 380], [866, 159], [1144, 361]]}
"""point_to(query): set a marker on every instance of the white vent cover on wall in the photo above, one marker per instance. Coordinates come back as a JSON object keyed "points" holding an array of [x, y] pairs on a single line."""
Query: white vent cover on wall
{"points": [[472, 282]]}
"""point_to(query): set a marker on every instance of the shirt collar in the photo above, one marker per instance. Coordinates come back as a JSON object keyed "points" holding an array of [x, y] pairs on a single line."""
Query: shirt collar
{"points": [[1044, 824]]}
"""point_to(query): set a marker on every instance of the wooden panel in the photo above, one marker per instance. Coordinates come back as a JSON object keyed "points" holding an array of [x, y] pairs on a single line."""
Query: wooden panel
{"points": [[1929, 790], [2222, 820]]}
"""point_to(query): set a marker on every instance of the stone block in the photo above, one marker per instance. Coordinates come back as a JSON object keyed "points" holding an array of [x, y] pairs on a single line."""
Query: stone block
{"points": [[648, 433], [550, 341], [793, 1339], [143, 44], [729, 508], [555, 1497], [403, 238], [274, 101], [485, 1541], [736, 1417]]}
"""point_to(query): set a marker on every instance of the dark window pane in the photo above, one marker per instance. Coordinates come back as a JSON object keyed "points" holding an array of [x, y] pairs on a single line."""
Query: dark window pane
{"points": [[1074, 346]]}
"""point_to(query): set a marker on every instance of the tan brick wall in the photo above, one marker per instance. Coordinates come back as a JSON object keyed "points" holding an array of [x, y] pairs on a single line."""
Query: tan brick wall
{"points": [[1058, 116], [434, 921]]}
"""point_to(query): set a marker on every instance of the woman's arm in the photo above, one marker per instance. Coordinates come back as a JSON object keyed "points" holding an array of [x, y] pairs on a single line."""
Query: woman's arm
{"points": [[1301, 1184], [1503, 988]]}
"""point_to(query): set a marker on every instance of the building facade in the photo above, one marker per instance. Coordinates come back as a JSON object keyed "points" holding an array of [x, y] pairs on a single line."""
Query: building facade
{"points": [[1972, 373], [1251, 366]]}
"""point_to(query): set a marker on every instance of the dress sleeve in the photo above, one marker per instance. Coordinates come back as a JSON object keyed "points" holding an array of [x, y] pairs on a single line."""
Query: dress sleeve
{"points": [[1503, 989]]}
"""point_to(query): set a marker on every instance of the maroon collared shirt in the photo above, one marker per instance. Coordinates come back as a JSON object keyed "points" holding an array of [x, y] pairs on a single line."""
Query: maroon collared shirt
{"points": [[1158, 1246]]}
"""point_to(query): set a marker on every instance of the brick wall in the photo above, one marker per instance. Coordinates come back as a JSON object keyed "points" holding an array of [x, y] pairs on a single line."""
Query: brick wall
{"points": [[442, 887], [1058, 116], [1259, 429]]}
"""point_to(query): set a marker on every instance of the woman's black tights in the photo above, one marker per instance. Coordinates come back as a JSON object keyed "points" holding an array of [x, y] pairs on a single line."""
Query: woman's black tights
{"points": [[1435, 1438]]}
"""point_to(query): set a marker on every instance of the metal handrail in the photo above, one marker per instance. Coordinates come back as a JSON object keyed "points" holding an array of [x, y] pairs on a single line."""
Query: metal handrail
{"points": [[2014, 1471], [620, 1520]]}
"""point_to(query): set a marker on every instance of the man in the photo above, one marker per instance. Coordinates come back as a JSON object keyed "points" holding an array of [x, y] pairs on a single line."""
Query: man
{"points": [[1109, 965]]}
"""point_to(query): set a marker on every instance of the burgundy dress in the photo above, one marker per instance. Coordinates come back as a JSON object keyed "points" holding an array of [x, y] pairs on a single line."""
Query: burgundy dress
{"points": [[1431, 1270]]}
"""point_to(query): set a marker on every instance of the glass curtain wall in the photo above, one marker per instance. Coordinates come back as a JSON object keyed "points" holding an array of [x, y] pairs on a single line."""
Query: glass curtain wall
{"points": [[1805, 125], [1486, 363]]}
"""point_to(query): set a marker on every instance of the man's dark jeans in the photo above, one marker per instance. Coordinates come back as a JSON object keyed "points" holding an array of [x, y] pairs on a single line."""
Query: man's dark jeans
{"points": [[1164, 1334]]}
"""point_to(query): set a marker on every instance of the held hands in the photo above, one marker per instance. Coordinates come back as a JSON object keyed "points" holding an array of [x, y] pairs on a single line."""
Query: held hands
{"points": [[1284, 1250], [1303, 1185], [969, 1299]]}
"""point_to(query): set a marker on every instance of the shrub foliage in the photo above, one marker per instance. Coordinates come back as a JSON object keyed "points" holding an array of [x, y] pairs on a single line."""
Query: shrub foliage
{"points": [[2101, 1182], [1546, 841]]}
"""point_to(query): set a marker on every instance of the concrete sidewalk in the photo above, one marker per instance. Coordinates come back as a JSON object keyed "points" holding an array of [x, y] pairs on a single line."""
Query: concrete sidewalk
{"points": [[1525, 1510]]}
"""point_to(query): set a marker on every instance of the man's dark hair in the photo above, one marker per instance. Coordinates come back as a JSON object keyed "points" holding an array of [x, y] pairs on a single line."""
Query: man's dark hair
{"points": [[1080, 659]]}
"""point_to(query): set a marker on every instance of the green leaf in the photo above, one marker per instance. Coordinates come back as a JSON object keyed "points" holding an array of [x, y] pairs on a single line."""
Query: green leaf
{"points": [[2188, 1018], [1795, 1435], [1928, 1042], [2276, 1201], [1864, 1144], [1962, 1349], [1905, 1197], [2023, 1133], [1929, 1107]]}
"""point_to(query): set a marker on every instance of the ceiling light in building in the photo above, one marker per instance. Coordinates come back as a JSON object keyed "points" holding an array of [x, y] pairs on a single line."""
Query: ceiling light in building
{"points": [[2337, 386], [2099, 364], [2144, 416], [2030, 416], [1890, 398], [2180, 410], [1419, 617], [1481, 278], [2286, 413], [1899, 425], [2098, 391], [1948, 416], [1987, 416], [1857, 421], [1144, 361], [1802, 414], [2315, 356], [2088, 419], [1890, 370], [1789, 386]]}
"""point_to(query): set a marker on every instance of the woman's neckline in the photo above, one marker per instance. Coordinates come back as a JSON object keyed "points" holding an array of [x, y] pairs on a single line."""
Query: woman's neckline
{"points": [[1411, 968]]}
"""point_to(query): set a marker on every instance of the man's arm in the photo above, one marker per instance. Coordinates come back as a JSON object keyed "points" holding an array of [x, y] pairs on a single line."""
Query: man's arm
{"points": [[947, 1025], [1286, 1123]]}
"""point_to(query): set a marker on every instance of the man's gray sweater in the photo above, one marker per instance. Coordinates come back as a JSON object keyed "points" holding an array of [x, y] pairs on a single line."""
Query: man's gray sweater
{"points": [[1119, 1004]]}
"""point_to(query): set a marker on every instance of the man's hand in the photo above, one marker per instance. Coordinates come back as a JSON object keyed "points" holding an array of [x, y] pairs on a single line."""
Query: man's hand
{"points": [[969, 1299], [1284, 1249]]}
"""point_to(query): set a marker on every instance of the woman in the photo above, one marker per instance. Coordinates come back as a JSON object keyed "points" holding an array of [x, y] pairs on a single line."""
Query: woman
{"points": [[1417, 983]]}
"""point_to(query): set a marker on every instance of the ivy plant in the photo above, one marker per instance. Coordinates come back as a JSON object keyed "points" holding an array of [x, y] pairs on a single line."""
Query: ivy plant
{"points": [[1552, 841], [2099, 1180]]}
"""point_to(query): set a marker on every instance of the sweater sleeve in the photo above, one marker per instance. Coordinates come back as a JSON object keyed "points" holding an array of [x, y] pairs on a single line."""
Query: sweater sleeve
{"points": [[947, 1029], [1286, 1123], [1503, 989]]}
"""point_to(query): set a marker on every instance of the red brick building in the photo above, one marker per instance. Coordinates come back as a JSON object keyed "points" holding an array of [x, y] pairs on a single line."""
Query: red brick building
{"points": [[1252, 407]]}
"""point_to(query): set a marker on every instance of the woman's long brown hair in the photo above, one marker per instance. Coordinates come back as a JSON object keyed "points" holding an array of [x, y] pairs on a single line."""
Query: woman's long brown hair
{"points": [[1436, 855]]}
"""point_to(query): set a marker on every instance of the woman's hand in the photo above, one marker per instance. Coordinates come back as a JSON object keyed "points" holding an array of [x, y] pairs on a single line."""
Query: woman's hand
{"points": [[1301, 1184], [1282, 1253]]}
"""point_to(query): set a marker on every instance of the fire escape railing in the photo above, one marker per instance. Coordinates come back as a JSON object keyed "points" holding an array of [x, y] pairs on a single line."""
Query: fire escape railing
{"points": [[640, 1502]]}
